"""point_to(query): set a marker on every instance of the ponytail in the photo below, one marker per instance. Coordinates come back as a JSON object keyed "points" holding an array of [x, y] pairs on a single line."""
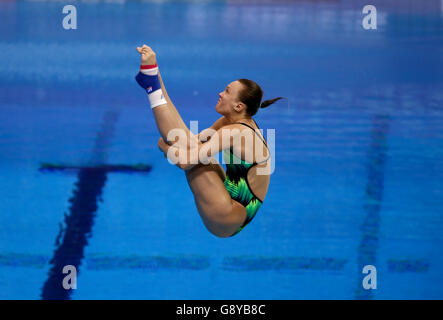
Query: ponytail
{"points": [[267, 103], [251, 95]]}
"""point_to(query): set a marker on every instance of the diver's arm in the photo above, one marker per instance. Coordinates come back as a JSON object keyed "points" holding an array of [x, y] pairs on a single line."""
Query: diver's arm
{"points": [[186, 158], [206, 134]]}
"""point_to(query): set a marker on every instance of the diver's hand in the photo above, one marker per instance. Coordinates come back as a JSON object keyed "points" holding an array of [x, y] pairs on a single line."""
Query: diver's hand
{"points": [[147, 55], [164, 147]]}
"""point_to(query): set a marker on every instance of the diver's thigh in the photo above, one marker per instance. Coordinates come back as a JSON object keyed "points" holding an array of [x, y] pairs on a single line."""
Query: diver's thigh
{"points": [[218, 211], [207, 185]]}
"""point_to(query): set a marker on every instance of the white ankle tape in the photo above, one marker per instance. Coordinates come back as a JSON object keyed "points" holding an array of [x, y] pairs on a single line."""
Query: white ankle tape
{"points": [[156, 98]]}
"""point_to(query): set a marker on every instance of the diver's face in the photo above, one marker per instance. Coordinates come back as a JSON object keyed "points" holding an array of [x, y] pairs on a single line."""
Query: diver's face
{"points": [[228, 98]]}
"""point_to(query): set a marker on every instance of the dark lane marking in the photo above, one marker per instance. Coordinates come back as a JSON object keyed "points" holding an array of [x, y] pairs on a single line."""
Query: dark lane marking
{"points": [[367, 250], [198, 262], [401, 266], [282, 263], [183, 262], [73, 236], [148, 263], [101, 262], [139, 167], [19, 260]]}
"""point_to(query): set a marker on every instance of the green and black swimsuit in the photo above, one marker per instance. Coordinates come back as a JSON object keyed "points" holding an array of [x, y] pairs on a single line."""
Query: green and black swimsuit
{"points": [[236, 182]]}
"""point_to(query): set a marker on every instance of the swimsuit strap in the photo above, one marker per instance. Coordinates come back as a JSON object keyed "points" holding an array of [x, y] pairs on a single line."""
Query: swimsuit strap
{"points": [[261, 138]]}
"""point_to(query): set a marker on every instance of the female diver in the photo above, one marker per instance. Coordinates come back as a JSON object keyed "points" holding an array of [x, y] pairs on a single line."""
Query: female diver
{"points": [[226, 202]]}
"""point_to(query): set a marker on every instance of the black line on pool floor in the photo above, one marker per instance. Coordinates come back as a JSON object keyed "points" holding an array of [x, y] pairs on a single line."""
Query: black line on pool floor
{"points": [[139, 167], [194, 262], [72, 239], [282, 263], [78, 223], [367, 250], [78, 227]]}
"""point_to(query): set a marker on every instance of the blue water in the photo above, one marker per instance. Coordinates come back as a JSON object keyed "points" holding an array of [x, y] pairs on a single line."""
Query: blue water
{"points": [[358, 154]]}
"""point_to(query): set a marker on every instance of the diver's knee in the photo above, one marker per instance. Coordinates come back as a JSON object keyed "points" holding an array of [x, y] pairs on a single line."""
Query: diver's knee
{"points": [[224, 223], [221, 232]]}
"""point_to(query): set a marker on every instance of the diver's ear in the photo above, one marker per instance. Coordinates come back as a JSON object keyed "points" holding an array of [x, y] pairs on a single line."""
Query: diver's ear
{"points": [[239, 107]]}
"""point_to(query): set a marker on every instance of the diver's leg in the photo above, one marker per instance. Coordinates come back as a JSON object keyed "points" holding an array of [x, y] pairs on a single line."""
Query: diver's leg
{"points": [[221, 215], [167, 118], [171, 106], [166, 115]]}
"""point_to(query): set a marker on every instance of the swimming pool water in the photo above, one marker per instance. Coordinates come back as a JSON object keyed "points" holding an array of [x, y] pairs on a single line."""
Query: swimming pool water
{"points": [[358, 148]]}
